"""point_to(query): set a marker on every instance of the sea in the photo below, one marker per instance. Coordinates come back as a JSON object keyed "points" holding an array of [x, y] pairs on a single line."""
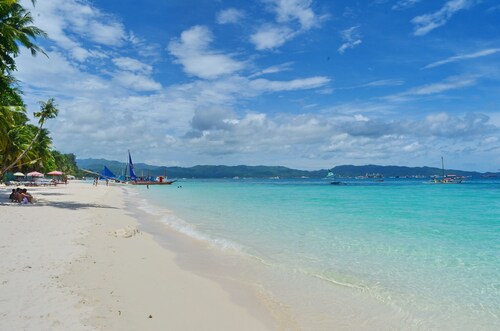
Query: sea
{"points": [[398, 254]]}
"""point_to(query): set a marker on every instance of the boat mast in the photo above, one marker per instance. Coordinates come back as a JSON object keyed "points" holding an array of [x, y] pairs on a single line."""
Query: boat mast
{"points": [[442, 165], [128, 164]]}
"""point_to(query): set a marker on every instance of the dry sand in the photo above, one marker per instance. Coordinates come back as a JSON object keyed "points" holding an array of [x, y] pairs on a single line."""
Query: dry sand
{"points": [[77, 260]]}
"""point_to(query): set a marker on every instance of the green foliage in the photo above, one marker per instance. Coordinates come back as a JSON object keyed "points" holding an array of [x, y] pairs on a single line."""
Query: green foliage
{"points": [[16, 30], [23, 146], [66, 163], [27, 144], [47, 110]]}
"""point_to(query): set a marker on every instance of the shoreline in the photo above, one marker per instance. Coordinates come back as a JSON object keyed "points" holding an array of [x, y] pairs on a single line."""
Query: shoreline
{"points": [[297, 300], [114, 258], [91, 268]]}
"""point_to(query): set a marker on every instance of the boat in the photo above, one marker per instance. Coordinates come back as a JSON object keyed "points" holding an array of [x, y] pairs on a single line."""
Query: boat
{"points": [[160, 181], [331, 175], [107, 174], [447, 179], [134, 180]]}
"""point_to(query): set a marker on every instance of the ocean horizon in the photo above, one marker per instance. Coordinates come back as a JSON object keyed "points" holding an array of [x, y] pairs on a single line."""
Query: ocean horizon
{"points": [[397, 254]]}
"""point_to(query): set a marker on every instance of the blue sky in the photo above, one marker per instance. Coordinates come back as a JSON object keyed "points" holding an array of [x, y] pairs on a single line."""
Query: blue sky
{"points": [[301, 83]]}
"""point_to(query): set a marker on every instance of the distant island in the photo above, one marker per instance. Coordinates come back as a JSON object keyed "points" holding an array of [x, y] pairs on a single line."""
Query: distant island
{"points": [[243, 171]]}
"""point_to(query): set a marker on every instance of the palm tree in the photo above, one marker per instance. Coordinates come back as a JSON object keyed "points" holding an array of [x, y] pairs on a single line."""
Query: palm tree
{"points": [[19, 138], [47, 110], [41, 154], [12, 109], [15, 30]]}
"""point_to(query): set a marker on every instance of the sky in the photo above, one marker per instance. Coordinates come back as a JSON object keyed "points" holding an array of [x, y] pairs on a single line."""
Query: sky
{"points": [[307, 84]]}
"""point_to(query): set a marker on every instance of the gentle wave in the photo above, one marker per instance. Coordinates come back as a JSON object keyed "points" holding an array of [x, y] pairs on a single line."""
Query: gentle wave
{"points": [[181, 226]]}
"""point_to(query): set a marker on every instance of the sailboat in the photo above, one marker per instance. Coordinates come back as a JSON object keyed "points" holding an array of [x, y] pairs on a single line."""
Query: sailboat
{"points": [[135, 181], [447, 179], [331, 175], [107, 174]]}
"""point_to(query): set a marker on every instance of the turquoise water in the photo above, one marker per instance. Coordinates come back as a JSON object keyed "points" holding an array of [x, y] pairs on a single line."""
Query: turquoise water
{"points": [[429, 252]]}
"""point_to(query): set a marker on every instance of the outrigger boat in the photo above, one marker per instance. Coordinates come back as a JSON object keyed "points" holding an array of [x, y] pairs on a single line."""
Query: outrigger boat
{"points": [[153, 182], [132, 179], [138, 181]]}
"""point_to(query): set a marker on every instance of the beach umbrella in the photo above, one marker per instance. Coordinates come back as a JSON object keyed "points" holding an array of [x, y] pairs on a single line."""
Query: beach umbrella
{"points": [[55, 173], [34, 174], [19, 174]]}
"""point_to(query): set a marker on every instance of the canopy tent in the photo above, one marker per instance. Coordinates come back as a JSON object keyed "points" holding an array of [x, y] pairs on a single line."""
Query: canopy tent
{"points": [[55, 173], [34, 174]]}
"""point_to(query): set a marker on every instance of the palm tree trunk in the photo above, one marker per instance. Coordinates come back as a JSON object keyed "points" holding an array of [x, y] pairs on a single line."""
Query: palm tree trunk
{"points": [[4, 170]]}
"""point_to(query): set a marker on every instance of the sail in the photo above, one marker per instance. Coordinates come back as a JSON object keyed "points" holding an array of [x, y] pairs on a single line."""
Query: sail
{"points": [[107, 174], [131, 167]]}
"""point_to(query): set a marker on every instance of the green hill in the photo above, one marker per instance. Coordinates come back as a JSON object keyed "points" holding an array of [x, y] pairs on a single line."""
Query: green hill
{"points": [[243, 171]]}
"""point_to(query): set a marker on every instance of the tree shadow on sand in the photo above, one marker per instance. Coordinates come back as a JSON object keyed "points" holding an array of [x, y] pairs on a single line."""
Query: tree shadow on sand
{"points": [[72, 205], [50, 193]]}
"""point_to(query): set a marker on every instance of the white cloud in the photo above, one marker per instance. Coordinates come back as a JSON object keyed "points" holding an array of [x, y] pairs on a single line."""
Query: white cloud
{"points": [[451, 83], [70, 24], [376, 83], [296, 84], [428, 22], [137, 82], [351, 38], [129, 64], [192, 51], [118, 103], [274, 69], [295, 10], [144, 48], [53, 75], [203, 118], [110, 34], [457, 58], [80, 54], [384, 82], [271, 36], [223, 133], [293, 17], [404, 4], [230, 15]]}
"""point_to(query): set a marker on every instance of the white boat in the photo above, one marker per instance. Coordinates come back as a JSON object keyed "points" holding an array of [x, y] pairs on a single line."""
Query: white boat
{"points": [[447, 179]]}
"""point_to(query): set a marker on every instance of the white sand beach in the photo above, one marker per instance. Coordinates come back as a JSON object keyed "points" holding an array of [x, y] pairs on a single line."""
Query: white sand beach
{"points": [[77, 260]]}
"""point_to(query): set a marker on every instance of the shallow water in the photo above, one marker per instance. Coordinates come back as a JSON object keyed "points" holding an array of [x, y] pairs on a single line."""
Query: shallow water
{"points": [[424, 256]]}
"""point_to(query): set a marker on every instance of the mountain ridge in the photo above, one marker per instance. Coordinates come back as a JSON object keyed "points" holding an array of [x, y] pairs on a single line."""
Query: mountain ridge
{"points": [[244, 171]]}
